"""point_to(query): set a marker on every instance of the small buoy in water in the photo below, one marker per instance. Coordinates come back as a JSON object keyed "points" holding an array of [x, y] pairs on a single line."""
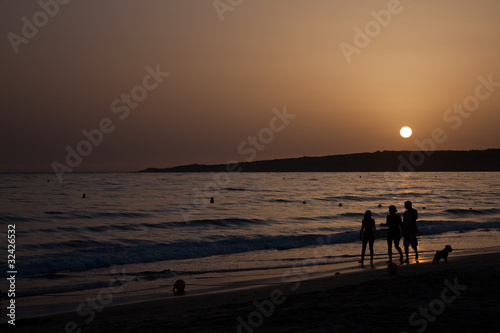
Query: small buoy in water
{"points": [[423, 207], [179, 287], [392, 268], [340, 204], [304, 202], [379, 205], [212, 200], [83, 196]]}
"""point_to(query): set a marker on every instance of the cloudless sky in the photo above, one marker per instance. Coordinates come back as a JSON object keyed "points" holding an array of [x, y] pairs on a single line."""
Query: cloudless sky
{"points": [[226, 77]]}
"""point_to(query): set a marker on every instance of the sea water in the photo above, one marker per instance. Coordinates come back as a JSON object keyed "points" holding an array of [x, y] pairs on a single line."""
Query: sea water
{"points": [[145, 230]]}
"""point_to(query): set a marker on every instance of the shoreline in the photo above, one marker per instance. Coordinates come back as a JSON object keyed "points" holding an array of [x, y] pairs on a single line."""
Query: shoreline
{"points": [[143, 291], [227, 310]]}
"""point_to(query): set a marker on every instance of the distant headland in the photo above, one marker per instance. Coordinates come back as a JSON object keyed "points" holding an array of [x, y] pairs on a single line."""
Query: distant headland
{"points": [[380, 161]]}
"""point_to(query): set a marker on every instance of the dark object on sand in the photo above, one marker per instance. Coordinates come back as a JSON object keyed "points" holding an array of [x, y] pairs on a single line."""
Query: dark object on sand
{"points": [[392, 268], [179, 287], [443, 254]]}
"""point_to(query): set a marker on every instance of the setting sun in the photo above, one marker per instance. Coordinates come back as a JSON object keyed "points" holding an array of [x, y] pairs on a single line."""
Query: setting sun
{"points": [[405, 132]]}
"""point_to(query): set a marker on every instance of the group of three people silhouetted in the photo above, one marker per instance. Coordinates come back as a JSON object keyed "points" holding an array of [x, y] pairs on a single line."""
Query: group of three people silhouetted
{"points": [[408, 226]]}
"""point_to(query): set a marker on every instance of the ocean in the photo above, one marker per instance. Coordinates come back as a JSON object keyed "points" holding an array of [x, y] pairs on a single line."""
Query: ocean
{"points": [[143, 231]]}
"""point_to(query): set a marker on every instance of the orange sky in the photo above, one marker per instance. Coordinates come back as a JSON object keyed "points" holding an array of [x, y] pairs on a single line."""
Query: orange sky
{"points": [[225, 77]]}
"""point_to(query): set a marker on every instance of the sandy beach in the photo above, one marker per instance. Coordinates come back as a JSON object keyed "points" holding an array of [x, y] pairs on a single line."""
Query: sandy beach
{"points": [[462, 295]]}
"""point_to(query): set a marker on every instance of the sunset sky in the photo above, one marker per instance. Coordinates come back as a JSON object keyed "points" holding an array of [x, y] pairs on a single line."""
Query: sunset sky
{"points": [[230, 66]]}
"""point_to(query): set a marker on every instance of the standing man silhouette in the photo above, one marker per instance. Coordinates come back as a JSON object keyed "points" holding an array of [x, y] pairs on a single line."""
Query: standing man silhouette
{"points": [[410, 230]]}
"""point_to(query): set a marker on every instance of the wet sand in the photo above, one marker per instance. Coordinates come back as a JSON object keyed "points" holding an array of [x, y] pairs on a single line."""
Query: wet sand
{"points": [[462, 295]]}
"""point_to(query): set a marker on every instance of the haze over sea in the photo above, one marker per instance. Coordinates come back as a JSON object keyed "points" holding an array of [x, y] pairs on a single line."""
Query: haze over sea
{"points": [[155, 228]]}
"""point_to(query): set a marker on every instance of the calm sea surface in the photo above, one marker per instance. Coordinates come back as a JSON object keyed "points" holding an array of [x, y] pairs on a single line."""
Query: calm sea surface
{"points": [[151, 229]]}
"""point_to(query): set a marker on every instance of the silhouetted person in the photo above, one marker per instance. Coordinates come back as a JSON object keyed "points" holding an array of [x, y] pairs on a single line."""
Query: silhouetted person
{"points": [[212, 200], [395, 224], [84, 196], [410, 230], [367, 235]]}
